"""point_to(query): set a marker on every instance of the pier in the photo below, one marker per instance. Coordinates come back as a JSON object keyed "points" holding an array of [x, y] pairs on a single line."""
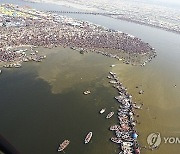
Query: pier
{"points": [[77, 12]]}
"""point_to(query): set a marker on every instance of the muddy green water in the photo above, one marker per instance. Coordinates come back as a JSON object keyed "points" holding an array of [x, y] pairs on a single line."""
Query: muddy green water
{"points": [[43, 104]]}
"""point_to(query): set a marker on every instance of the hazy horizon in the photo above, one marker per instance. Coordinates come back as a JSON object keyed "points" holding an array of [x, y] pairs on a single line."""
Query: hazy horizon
{"points": [[167, 3], [170, 3]]}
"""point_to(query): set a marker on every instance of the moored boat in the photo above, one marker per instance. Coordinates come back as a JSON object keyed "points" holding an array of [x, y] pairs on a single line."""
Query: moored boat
{"points": [[109, 77], [112, 73], [88, 137], [115, 127], [116, 140], [113, 82], [128, 144], [110, 115], [63, 145]]}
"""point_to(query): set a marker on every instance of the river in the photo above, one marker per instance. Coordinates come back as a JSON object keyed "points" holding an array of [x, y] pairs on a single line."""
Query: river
{"points": [[42, 104]]}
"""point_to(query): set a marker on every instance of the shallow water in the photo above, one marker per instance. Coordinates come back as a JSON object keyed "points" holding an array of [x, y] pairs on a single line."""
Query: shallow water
{"points": [[59, 77]]}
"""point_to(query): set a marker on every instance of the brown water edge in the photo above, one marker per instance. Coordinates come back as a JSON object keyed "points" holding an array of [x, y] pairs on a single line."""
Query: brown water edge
{"points": [[161, 101], [126, 57]]}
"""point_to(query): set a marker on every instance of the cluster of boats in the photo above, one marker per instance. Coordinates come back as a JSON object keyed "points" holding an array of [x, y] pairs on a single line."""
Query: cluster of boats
{"points": [[13, 58], [109, 115], [126, 135]]}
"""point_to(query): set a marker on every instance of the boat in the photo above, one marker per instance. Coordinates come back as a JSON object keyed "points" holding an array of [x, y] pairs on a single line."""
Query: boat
{"points": [[137, 106], [17, 65], [102, 111], [63, 145], [128, 139], [112, 82], [127, 149], [88, 137], [110, 115], [109, 77], [0, 71], [86, 92], [118, 133], [128, 144], [112, 73], [141, 92], [113, 65], [116, 140], [115, 127]]}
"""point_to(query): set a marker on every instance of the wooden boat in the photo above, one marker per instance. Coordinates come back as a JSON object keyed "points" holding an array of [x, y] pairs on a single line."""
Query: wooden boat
{"points": [[115, 127], [128, 144], [63, 145], [116, 140], [110, 115], [88, 137]]}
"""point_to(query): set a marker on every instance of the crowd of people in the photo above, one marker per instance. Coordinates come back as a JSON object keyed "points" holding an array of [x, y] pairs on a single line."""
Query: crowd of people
{"points": [[51, 30]]}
